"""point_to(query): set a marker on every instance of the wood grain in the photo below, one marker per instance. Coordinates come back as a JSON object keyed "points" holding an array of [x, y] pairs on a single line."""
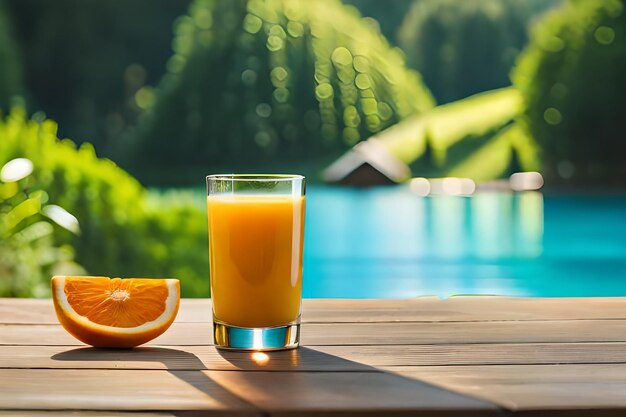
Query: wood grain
{"points": [[318, 358], [69, 389], [109, 413], [172, 358], [401, 333], [82, 413], [217, 392], [428, 309], [463, 308], [347, 393], [460, 356], [533, 387]]}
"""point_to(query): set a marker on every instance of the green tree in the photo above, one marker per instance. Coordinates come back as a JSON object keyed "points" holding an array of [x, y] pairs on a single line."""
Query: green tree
{"points": [[465, 47], [573, 77], [10, 75], [253, 84], [85, 59]]}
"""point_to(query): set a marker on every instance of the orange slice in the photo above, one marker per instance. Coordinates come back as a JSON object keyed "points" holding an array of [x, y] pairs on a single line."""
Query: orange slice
{"points": [[120, 313]]}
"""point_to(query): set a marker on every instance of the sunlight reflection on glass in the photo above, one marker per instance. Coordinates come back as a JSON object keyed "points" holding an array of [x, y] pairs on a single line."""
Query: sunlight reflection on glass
{"points": [[257, 338]]}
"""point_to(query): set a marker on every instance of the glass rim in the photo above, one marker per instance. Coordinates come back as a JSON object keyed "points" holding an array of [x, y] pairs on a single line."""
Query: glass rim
{"points": [[255, 177]]}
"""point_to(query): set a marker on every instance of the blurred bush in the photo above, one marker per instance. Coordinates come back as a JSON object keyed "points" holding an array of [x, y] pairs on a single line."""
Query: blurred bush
{"points": [[85, 59], [28, 255], [257, 83], [573, 76], [176, 224], [121, 234], [10, 69], [465, 47]]}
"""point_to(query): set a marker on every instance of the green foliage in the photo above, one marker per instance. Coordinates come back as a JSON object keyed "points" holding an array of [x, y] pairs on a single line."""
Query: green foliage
{"points": [[435, 131], [85, 59], [121, 234], [497, 154], [465, 47], [255, 83], [10, 75], [100, 195], [28, 255], [177, 225], [477, 137], [387, 14], [573, 77]]}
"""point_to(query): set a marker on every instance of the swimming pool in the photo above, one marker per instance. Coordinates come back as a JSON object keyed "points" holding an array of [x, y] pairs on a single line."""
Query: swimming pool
{"points": [[390, 243]]}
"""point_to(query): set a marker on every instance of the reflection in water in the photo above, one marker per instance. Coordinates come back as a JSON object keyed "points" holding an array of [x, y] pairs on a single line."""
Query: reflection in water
{"points": [[528, 224], [390, 242], [492, 224], [396, 224], [446, 215], [487, 225]]}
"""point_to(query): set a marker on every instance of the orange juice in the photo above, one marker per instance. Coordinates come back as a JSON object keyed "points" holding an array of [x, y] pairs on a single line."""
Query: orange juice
{"points": [[255, 255]]}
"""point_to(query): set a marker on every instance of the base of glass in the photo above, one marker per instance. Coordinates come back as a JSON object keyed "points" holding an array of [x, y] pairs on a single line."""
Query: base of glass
{"points": [[257, 339]]}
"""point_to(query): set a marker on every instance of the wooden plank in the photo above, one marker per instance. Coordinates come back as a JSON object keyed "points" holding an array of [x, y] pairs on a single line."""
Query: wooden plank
{"points": [[586, 412], [533, 387], [46, 413], [401, 333], [528, 387], [172, 358], [83, 413], [69, 389], [463, 308], [481, 354], [347, 394], [26, 311], [428, 309], [317, 358], [281, 393]]}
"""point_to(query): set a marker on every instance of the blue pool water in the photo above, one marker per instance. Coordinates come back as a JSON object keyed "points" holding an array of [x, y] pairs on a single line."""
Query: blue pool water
{"points": [[389, 243]]}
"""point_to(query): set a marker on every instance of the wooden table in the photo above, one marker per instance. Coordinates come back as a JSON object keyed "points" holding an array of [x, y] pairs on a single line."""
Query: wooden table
{"points": [[478, 356]]}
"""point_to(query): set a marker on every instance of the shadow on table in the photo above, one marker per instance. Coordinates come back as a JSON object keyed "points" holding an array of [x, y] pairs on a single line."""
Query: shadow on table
{"points": [[301, 359], [184, 365], [290, 381]]}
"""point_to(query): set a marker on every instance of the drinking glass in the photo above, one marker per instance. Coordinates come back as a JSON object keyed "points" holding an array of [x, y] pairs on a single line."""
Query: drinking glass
{"points": [[256, 230]]}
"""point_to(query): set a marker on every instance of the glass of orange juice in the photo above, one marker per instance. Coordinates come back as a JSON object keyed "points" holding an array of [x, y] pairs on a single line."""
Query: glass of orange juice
{"points": [[256, 228]]}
